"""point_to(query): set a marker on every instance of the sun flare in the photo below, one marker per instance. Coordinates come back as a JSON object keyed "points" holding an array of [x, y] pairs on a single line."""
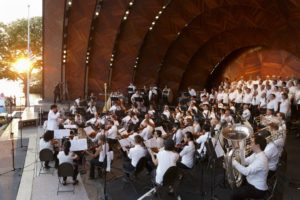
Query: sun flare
{"points": [[22, 65]]}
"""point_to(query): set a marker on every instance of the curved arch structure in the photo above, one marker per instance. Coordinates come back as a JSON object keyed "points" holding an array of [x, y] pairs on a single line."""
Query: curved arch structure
{"points": [[171, 42]]}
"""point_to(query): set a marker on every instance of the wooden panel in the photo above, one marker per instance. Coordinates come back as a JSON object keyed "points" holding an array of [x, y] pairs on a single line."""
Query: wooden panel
{"points": [[78, 32], [106, 29], [210, 26], [131, 36], [53, 14], [172, 20]]}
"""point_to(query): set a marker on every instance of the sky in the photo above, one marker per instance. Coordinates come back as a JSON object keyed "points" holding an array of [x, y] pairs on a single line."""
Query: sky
{"points": [[11, 10]]}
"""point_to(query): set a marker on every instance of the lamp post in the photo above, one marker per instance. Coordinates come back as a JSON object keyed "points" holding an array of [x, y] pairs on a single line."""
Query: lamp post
{"points": [[28, 54]]}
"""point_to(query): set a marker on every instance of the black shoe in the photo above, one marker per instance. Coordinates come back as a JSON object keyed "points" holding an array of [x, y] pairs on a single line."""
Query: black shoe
{"points": [[64, 182], [47, 167], [91, 178]]}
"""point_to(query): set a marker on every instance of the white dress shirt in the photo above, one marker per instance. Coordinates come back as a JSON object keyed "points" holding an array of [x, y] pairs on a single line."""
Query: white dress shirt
{"points": [[63, 158], [272, 153], [136, 153], [192, 92], [201, 140], [187, 154], [45, 145], [166, 159], [297, 96], [257, 170], [112, 132], [273, 105], [247, 98], [285, 107], [178, 136], [239, 98], [52, 123]]}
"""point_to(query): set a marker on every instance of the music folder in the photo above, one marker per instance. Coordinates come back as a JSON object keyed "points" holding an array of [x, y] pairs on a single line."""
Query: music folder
{"points": [[125, 143], [70, 126], [61, 133], [151, 143], [79, 145]]}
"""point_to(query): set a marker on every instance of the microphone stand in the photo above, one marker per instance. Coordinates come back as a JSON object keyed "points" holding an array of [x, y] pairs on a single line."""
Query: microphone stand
{"points": [[105, 194]]}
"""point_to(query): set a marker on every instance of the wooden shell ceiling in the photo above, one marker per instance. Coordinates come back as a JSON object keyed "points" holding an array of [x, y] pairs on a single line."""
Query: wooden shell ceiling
{"points": [[169, 42]]}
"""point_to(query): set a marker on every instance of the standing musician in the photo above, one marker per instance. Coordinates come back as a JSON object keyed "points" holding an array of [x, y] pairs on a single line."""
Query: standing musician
{"points": [[131, 90], [187, 153], [147, 127], [256, 172], [165, 95]]}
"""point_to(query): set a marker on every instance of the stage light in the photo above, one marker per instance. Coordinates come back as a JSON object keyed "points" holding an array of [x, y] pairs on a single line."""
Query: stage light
{"points": [[64, 56], [87, 61], [127, 12], [124, 18], [22, 65], [131, 3], [153, 23], [65, 51], [97, 13], [70, 3], [150, 28], [64, 61], [110, 64], [159, 12], [87, 53], [164, 7], [157, 17]]}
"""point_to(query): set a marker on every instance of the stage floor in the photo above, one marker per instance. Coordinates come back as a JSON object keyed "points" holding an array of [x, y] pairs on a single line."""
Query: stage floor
{"points": [[10, 180]]}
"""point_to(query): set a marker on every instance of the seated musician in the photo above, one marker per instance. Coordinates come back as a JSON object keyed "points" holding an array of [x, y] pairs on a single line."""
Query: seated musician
{"points": [[246, 115], [167, 112], [178, 134], [165, 159], [134, 154], [66, 156], [90, 111], [73, 109], [227, 118], [273, 155], [147, 127], [48, 142], [79, 120], [187, 153], [188, 123], [95, 121], [68, 121], [115, 107], [197, 127], [99, 157], [131, 118], [256, 172], [203, 138], [112, 130], [159, 139]]}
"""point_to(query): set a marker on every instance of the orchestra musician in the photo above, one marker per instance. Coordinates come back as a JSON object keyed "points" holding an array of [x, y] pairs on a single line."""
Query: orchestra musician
{"points": [[147, 126], [256, 172], [187, 153], [66, 156], [48, 142], [99, 157], [134, 154], [164, 159]]}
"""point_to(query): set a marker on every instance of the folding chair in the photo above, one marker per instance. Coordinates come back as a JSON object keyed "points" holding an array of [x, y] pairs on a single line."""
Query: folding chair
{"points": [[45, 155], [64, 170]]}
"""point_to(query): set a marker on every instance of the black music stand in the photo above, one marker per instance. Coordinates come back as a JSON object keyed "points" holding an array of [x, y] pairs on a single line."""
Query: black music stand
{"points": [[105, 193], [114, 98], [138, 99], [212, 164]]}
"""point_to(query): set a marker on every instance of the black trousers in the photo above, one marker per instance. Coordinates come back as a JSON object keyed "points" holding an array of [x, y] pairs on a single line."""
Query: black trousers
{"points": [[75, 173], [95, 162], [247, 191]]}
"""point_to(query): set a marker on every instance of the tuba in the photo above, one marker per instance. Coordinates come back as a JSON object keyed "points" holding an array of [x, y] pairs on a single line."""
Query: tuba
{"points": [[236, 136]]}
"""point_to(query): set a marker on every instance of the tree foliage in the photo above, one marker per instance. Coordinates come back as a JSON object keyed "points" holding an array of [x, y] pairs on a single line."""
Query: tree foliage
{"points": [[13, 45]]}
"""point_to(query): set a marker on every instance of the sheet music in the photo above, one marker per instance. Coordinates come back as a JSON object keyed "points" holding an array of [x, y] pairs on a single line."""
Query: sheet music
{"points": [[125, 143], [89, 130], [70, 126], [151, 143], [79, 145], [160, 128], [60, 133]]}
